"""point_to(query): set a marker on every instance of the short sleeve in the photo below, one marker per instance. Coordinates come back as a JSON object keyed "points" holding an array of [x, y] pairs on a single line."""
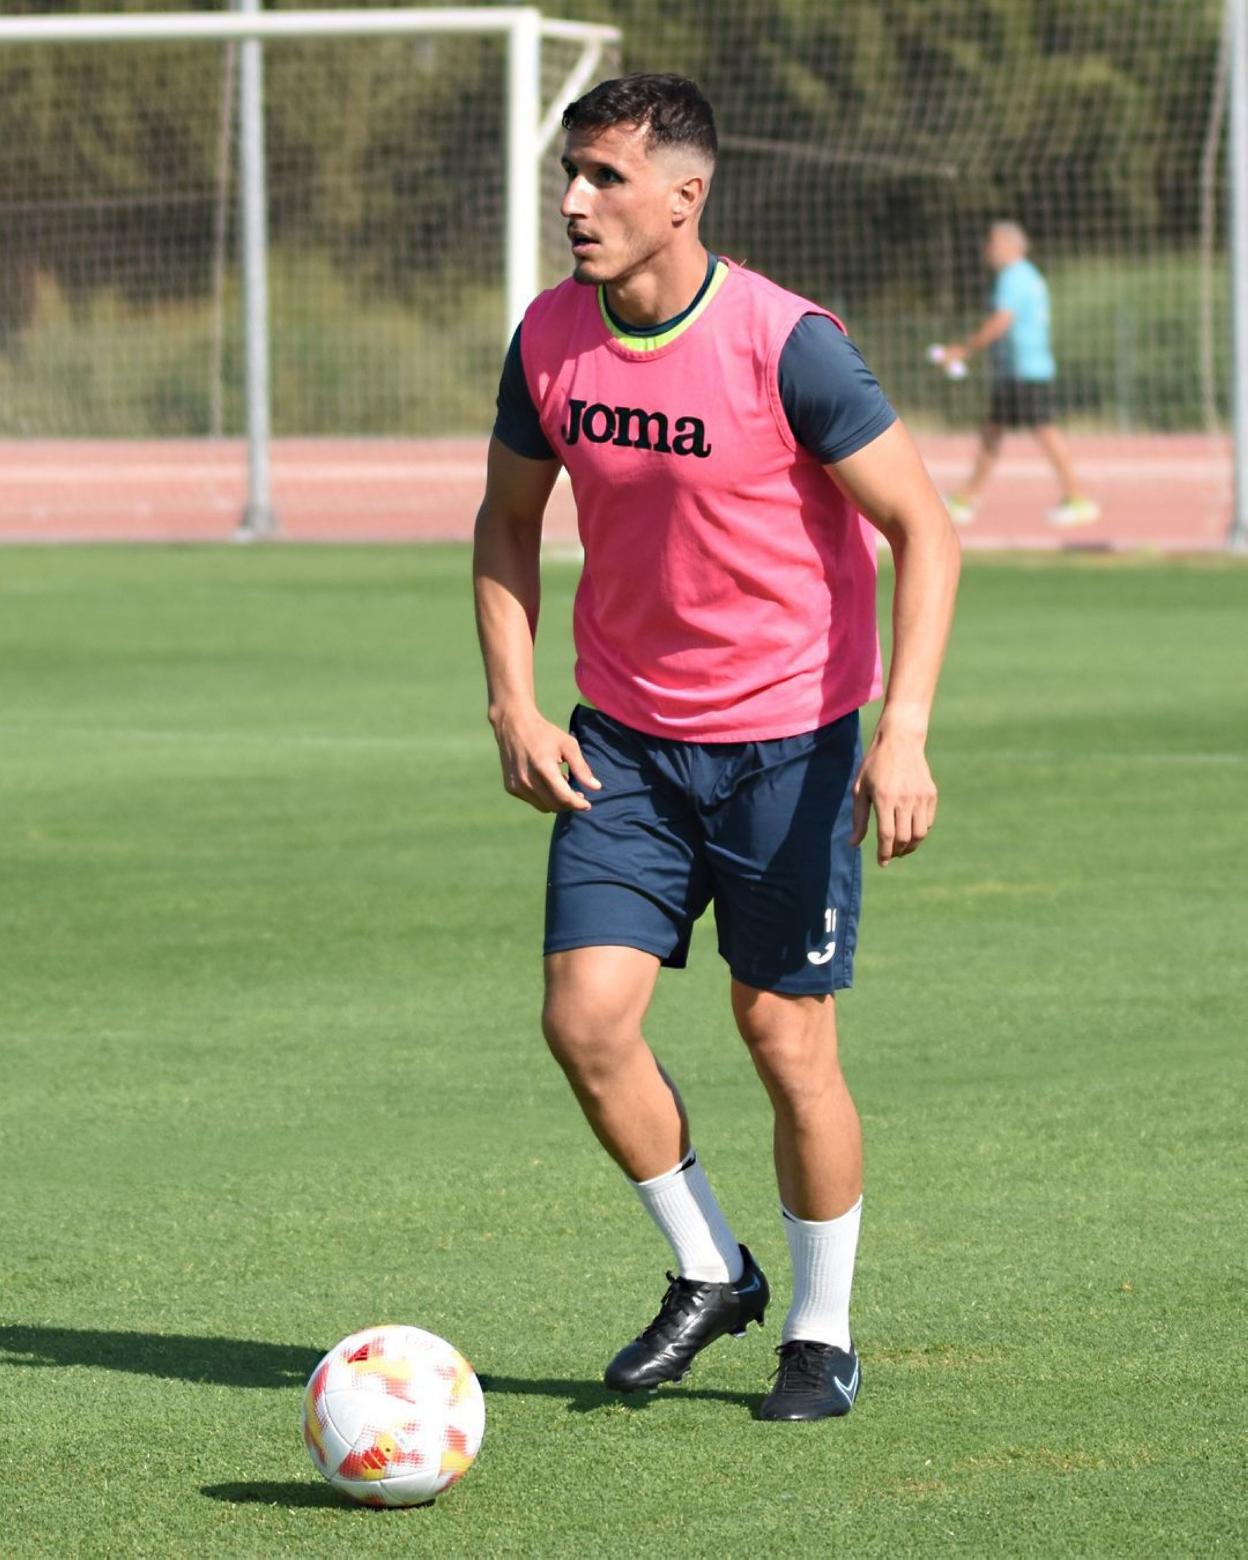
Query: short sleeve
{"points": [[1008, 292], [517, 424], [832, 400]]}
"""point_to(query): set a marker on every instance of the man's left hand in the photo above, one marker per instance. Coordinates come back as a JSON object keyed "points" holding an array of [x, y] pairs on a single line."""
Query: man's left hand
{"points": [[897, 785]]}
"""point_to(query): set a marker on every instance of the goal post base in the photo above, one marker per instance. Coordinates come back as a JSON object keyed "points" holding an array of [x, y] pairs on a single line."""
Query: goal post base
{"points": [[258, 523]]}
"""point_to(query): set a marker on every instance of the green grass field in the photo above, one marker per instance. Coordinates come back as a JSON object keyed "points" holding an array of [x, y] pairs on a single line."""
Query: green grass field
{"points": [[271, 1072]]}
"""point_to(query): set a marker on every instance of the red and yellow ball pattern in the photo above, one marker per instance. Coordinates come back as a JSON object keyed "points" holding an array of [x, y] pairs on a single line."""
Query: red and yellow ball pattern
{"points": [[392, 1416]]}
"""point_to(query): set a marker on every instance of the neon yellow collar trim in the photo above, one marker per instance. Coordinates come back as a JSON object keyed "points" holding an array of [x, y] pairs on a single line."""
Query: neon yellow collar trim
{"points": [[653, 343]]}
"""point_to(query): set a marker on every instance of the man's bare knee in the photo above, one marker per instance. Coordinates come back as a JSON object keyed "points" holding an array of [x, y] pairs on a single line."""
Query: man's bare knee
{"points": [[794, 1068], [792, 1040], [583, 1041], [595, 1001]]}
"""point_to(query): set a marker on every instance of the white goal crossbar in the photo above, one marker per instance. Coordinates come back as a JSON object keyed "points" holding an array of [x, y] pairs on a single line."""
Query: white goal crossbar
{"points": [[175, 26], [530, 130]]}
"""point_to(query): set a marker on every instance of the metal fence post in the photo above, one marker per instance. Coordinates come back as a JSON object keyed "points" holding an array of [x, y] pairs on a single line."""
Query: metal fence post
{"points": [[259, 519], [524, 110]]}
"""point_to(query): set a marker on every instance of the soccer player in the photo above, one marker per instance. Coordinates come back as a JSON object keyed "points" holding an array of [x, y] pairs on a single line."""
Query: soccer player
{"points": [[721, 436], [1016, 335]]}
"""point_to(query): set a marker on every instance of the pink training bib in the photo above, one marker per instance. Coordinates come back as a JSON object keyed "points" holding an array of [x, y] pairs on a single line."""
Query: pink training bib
{"points": [[728, 592]]}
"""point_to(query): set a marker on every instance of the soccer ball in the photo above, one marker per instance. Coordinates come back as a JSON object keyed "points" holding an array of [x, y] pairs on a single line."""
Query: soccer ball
{"points": [[392, 1416]]}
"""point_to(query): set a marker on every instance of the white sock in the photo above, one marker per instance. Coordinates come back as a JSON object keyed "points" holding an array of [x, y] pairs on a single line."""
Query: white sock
{"points": [[683, 1206], [823, 1252]]}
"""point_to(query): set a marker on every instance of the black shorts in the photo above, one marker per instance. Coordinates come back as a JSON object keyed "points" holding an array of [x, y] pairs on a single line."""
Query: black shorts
{"points": [[1021, 403], [759, 829]]}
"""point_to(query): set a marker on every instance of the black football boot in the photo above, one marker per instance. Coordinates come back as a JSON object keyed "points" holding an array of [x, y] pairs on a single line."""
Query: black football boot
{"points": [[814, 1381], [692, 1315]]}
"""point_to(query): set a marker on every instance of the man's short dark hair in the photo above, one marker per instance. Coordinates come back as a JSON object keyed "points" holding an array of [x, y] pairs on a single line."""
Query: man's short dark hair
{"points": [[671, 110]]}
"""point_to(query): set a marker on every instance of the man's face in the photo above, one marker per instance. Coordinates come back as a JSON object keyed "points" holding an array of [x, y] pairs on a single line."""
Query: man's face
{"points": [[1001, 247], [619, 203]]}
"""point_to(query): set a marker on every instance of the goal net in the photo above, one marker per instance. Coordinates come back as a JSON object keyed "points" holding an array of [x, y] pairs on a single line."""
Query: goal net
{"points": [[866, 145], [386, 173]]}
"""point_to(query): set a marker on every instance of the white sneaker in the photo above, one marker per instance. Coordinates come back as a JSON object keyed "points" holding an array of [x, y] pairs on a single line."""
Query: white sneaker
{"points": [[1075, 511], [961, 510]]}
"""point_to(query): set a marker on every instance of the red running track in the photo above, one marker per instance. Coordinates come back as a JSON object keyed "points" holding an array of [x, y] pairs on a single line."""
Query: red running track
{"points": [[1170, 492]]}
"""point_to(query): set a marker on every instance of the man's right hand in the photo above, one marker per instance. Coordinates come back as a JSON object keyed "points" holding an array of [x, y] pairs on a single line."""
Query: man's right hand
{"points": [[533, 753]]}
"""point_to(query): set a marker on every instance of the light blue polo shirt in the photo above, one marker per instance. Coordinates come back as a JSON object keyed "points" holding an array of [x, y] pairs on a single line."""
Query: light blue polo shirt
{"points": [[1023, 352]]}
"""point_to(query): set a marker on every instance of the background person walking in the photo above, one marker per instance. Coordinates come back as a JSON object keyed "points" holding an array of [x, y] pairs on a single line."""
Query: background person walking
{"points": [[1016, 335]]}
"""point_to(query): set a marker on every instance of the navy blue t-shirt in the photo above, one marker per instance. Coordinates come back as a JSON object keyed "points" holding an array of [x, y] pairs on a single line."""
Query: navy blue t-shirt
{"points": [[832, 399]]}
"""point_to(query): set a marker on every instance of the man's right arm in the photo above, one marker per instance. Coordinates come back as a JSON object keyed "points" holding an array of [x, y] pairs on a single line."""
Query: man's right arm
{"points": [[998, 323], [993, 328], [507, 584]]}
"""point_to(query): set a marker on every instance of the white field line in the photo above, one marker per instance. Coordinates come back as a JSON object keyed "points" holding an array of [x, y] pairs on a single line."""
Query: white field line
{"points": [[446, 740], [1104, 467], [1054, 756], [308, 739], [87, 474], [84, 474]]}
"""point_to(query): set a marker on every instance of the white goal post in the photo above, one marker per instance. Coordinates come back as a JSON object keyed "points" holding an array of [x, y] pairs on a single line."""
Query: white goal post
{"points": [[1237, 37], [530, 127]]}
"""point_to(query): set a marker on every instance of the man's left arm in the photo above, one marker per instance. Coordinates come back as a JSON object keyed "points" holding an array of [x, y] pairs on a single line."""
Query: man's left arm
{"points": [[887, 481]]}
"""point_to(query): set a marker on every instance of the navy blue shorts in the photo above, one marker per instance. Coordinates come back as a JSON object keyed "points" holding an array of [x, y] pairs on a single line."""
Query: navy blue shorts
{"points": [[759, 829]]}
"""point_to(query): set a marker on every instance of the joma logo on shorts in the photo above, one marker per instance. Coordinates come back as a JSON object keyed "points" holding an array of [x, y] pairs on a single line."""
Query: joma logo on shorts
{"points": [[632, 427], [828, 952]]}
